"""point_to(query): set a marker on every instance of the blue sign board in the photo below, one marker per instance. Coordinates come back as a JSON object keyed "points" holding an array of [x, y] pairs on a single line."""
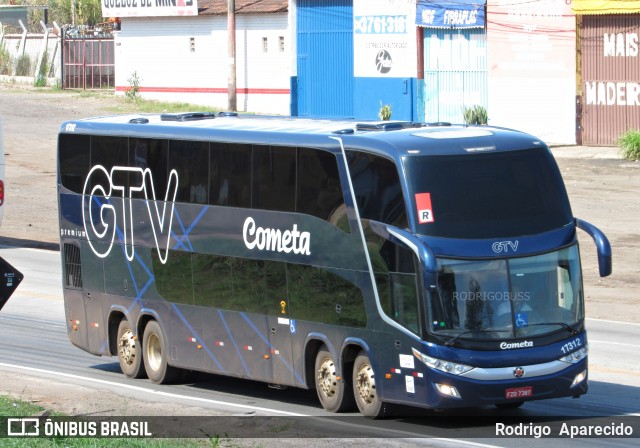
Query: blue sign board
{"points": [[451, 13]]}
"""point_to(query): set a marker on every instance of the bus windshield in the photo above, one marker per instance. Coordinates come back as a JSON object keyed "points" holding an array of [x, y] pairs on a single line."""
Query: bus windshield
{"points": [[508, 298], [487, 195]]}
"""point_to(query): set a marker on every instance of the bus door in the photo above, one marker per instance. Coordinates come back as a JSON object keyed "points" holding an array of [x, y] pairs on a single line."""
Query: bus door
{"points": [[398, 276], [281, 327]]}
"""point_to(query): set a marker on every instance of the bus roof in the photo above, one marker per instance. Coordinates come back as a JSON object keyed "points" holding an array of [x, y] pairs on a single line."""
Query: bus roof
{"points": [[392, 138]]}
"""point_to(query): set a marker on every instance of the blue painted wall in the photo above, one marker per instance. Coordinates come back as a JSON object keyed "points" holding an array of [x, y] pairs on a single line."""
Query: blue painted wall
{"points": [[324, 85], [400, 93]]}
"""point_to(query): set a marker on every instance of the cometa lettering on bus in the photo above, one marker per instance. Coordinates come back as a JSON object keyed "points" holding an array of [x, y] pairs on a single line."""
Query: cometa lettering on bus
{"points": [[275, 240], [510, 345]]}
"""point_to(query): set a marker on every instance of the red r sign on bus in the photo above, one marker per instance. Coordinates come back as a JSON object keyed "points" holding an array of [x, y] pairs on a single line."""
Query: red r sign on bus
{"points": [[423, 204]]}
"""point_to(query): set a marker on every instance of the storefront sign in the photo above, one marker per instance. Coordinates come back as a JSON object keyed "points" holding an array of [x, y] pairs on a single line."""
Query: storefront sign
{"points": [[384, 38], [450, 14], [149, 8]]}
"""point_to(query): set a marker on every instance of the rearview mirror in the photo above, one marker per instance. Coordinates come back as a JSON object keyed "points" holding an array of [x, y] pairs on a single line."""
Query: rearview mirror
{"points": [[602, 244]]}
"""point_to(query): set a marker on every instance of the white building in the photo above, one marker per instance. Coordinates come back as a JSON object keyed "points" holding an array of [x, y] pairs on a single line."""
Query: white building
{"points": [[181, 54]]}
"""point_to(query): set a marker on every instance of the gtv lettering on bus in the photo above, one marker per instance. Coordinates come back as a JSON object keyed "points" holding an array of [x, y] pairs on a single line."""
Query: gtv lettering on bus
{"points": [[100, 224], [275, 240]]}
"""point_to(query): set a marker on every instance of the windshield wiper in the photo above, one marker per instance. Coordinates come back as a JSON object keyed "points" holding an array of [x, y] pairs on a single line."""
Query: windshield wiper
{"points": [[450, 342], [567, 327]]}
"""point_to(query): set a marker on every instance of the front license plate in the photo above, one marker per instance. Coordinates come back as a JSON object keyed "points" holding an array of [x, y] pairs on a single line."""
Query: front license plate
{"points": [[519, 392]]}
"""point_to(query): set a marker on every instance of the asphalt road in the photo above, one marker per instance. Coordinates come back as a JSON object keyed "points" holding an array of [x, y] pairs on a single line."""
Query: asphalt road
{"points": [[34, 343]]}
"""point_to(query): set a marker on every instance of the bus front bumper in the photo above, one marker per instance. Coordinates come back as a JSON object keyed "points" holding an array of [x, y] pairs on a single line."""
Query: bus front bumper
{"points": [[479, 389]]}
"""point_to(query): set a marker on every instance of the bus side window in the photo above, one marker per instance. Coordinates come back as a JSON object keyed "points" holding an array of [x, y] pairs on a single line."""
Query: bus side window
{"points": [[274, 178], [191, 161], [239, 284], [321, 295], [108, 152], [377, 188], [153, 154], [74, 158], [230, 175], [174, 279], [319, 190]]}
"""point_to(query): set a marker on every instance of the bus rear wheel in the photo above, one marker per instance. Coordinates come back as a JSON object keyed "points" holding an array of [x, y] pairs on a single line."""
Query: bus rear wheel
{"points": [[334, 393], [129, 351], [156, 355], [364, 388]]}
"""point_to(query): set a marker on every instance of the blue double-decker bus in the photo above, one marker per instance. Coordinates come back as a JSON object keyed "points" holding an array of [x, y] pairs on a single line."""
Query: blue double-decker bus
{"points": [[379, 263]]}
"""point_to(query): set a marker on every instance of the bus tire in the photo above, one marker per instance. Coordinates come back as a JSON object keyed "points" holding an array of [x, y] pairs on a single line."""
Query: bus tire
{"points": [[334, 393], [364, 388], [156, 355], [129, 351]]}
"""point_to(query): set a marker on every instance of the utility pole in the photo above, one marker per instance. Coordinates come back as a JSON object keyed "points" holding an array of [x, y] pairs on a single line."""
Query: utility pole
{"points": [[231, 29]]}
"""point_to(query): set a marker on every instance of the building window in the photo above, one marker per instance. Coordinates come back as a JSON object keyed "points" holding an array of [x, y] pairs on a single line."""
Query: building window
{"points": [[265, 45]]}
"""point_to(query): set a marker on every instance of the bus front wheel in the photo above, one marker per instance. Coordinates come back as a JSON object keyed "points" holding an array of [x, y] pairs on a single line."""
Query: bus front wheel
{"points": [[129, 352], [333, 392], [364, 388], [155, 355]]}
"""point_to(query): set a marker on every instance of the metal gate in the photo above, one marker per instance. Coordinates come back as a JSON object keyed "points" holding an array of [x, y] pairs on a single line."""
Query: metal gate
{"points": [[455, 72], [325, 58], [88, 63], [610, 77]]}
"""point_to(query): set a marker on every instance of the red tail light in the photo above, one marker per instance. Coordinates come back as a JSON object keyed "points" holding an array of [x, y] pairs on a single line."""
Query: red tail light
{"points": [[1, 192]]}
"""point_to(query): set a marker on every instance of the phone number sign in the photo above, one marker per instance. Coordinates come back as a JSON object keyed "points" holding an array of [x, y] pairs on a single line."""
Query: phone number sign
{"points": [[380, 24]]}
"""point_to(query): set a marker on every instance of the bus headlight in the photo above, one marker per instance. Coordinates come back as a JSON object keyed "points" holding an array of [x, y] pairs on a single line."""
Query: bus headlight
{"points": [[448, 391], [580, 377], [439, 364], [576, 356]]}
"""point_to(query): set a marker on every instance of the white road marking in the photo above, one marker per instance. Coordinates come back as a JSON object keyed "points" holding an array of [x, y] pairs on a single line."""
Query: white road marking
{"points": [[147, 390]]}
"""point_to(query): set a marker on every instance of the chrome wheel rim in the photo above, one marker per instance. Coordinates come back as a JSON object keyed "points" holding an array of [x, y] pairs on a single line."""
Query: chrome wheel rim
{"points": [[127, 347], [326, 378], [365, 384], [154, 351]]}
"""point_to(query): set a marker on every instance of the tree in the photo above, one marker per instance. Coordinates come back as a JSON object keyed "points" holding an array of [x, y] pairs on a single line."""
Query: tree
{"points": [[87, 12]]}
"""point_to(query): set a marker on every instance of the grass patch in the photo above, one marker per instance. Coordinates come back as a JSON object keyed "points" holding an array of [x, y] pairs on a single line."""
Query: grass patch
{"points": [[16, 408], [629, 145], [121, 104], [149, 106]]}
